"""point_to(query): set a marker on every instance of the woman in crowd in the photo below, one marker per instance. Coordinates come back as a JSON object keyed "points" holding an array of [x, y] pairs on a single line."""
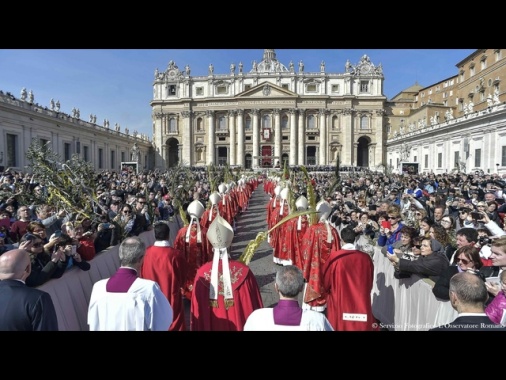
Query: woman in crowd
{"points": [[492, 213], [404, 244], [431, 263], [391, 233], [467, 260], [419, 215], [497, 308], [439, 233], [44, 266], [448, 223], [425, 225]]}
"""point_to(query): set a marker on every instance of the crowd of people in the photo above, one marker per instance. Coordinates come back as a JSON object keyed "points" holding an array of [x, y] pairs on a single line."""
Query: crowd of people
{"points": [[322, 227]]}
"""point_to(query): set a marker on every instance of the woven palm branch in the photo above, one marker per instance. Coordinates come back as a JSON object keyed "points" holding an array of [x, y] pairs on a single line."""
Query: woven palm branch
{"points": [[253, 245]]}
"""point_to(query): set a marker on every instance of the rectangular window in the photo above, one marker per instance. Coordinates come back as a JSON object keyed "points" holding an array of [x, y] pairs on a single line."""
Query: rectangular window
{"points": [[100, 158], [311, 88], [335, 88], [456, 156], [123, 157], [285, 138], [220, 90], [311, 138], [285, 86], [86, 153], [113, 159], [477, 158], [247, 138], [66, 151], [172, 89], [222, 139], [199, 90], [364, 86], [439, 160], [503, 156], [12, 150], [247, 87], [426, 161], [415, 159]]}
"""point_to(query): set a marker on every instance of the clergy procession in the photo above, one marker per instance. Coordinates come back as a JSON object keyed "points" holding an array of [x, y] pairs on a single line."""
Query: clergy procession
{"points": [[181, 265]]}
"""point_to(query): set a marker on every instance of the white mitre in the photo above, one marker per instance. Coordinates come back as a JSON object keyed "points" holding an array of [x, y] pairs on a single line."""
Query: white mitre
{"points": [[220, 234]]}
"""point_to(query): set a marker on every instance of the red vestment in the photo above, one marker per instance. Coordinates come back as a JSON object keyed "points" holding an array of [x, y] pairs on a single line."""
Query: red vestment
{"points": [[167, 266], [280, 244], [226, 208], [315, 252], [246, 293], [196, 254], [348, 277], [294, 235], [204, 219]]}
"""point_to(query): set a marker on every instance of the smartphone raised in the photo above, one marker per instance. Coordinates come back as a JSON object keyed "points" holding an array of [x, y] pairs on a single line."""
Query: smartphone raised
{"points": [[476, 215]]}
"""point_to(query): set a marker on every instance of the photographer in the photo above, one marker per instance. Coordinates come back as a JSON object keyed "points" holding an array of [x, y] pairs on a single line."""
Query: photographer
{"points": [[65, 249]]}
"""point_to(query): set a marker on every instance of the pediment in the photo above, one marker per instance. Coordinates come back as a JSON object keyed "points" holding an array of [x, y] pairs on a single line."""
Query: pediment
{"points": [[267, 90]]}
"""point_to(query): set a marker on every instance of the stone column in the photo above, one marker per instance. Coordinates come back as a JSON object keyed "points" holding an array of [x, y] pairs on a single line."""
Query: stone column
{"points": [[293, 137], [158, 134], [347, 136], [278, 139], [210, 138], [187, 137], [232, 132], [372, 155], [302, 141], [323, 138], [240, 138], [256, 137]]}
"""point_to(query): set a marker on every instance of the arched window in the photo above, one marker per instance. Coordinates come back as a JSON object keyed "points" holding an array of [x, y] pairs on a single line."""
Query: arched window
{"points": [[335, 122]]}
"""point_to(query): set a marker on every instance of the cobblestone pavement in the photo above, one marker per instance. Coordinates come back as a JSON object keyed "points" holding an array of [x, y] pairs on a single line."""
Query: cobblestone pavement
{"points": [[249, 224]]}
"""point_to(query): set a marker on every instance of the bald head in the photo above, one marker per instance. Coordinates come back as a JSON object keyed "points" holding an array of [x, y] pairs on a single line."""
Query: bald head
{"points": [[15, 265], [468, 292]]}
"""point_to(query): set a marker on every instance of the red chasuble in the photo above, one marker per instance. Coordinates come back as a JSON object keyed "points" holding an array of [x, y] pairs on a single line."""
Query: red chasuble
{"points": [[247, 298], [315, 252], [196, 253], [348, 277], [167, 266]]}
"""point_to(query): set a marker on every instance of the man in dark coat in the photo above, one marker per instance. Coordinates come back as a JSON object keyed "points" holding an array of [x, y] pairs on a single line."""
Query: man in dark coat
{"points": [[23, 308]]}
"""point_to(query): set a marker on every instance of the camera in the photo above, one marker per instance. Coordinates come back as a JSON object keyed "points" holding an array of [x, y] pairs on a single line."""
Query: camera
{"points": [[484, 240]]}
